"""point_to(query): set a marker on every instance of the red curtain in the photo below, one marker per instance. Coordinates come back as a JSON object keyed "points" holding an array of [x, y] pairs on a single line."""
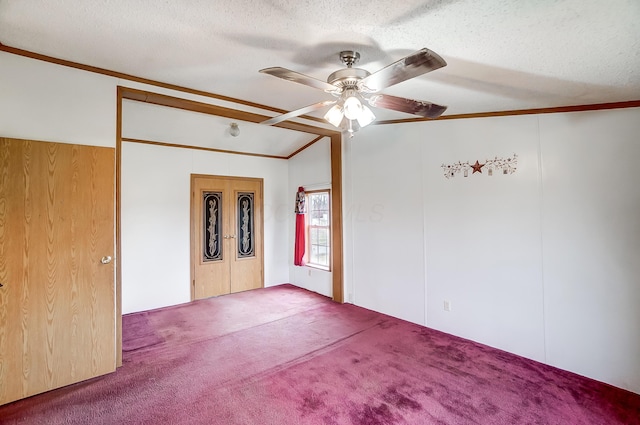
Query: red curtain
{"points": [[298, 257]]}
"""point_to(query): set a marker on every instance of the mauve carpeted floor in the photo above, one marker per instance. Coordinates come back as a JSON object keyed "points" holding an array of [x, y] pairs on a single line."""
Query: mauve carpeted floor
{"points": [[283, 356]]}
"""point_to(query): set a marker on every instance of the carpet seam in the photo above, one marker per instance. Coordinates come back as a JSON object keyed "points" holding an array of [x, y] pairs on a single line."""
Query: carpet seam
{"points": [[297, 360], [200, 340]]}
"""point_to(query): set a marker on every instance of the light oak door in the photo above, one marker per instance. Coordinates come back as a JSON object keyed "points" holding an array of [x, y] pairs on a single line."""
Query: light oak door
{"points": [[226, 235], [57, 308]]}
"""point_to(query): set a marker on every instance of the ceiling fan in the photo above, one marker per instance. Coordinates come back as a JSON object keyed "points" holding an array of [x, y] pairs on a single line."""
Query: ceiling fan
{"points": [[353, 87]]}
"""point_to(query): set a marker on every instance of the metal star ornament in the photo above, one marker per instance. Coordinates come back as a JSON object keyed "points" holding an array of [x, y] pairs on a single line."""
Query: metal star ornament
{"points": [[477, 167]]}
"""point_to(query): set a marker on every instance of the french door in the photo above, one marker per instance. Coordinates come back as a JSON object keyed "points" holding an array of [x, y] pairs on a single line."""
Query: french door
{"points": [[226, 235]]}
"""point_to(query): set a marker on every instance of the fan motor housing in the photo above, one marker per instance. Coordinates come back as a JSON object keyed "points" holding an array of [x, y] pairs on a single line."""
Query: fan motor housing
{"points": [[348, 77]]}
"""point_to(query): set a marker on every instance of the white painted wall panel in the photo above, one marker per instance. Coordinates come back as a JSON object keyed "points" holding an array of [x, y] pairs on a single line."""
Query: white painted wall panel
{"points": [[482, 233], [311, 169], [47, 102], [591, 236], [155, 226], [386, 220]]}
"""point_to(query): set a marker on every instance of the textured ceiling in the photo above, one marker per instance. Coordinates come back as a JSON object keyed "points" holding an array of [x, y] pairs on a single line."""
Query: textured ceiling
{"points": [[501, 54]]}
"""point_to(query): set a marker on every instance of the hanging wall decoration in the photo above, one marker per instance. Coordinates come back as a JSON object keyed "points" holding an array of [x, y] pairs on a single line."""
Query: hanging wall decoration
{"points": [[300, 210], [488, 167]]}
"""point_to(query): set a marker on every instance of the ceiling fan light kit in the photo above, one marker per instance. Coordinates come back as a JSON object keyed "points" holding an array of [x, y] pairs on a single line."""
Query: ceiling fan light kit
{"points": [[353, 87], [334, 115], [352, 107]]}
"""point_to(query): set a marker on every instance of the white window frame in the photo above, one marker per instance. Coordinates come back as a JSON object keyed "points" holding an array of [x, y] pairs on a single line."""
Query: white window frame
{"points": [[309, 227]]}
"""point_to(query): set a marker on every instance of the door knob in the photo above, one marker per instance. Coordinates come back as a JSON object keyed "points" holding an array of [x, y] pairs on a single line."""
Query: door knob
{"points": [[106, 259]]}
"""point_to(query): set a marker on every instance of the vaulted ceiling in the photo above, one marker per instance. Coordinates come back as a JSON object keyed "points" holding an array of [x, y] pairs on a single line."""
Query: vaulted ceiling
{"points": [[501, 54]]}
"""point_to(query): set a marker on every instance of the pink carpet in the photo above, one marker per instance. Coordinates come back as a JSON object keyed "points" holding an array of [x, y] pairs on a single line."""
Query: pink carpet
{"points": [[284, 356]]}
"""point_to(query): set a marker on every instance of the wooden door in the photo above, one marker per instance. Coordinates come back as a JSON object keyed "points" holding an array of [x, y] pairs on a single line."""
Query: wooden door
{"points": [[57, 307], [210, 226], [246, 235], [226, 235]]}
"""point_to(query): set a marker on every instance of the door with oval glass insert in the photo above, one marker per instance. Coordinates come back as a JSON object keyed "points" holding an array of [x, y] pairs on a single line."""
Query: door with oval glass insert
{"points": [[226, 235]]}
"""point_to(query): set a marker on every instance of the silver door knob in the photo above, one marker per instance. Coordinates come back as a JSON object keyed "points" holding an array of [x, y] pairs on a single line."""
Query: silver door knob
{"points": [[106, 259]]}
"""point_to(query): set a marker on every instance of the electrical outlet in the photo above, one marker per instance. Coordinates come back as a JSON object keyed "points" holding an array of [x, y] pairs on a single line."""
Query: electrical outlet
{"points": [[447, 305]]}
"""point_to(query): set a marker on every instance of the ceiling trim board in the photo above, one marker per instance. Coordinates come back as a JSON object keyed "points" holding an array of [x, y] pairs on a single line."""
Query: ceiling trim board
{"points": [[306, 146], [553, 110], [199, 148], [121, 75], [206, 108], [124, 76]]}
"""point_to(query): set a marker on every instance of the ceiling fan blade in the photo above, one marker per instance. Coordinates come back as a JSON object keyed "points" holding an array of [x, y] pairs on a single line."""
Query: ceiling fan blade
{"points": [[298, 112], [296, 77], [411, 66], [410, 106]]}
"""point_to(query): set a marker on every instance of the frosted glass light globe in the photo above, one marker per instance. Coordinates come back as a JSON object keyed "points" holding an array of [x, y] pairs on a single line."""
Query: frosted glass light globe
{"points": [[352, 108], [334, 115]]}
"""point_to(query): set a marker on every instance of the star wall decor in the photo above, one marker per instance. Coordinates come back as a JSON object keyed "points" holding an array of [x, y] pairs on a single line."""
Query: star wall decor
{"points": [[477, 167], [491, 166]]}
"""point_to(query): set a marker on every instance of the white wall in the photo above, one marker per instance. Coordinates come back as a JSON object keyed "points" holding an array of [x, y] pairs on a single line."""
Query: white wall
{"points": [[311, 169], [591, 237], [52, 103], [541, 263], [155, 219], [482, 234], [384, 213], [155, 226]]}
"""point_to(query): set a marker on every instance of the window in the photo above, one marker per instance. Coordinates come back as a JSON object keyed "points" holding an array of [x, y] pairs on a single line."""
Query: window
{"points": [[318, 229]]}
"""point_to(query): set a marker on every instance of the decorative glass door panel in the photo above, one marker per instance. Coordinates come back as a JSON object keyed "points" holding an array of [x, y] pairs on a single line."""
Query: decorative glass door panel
{"points": [[212, 226], [245, 220]]}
